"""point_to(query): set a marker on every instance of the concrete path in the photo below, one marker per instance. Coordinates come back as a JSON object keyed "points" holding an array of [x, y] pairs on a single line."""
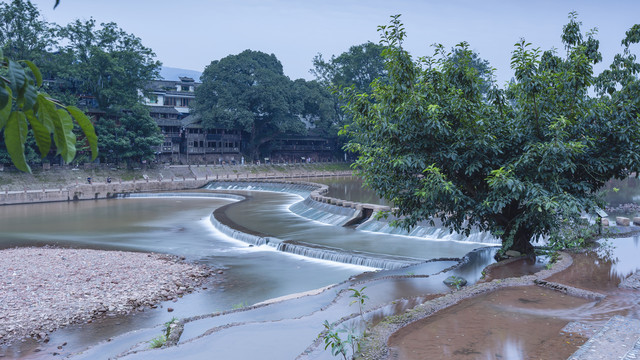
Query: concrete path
{"points": [[618, 339]]}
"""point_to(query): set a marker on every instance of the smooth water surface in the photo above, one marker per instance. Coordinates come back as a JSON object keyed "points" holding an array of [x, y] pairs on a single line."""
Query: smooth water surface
{"points": [[178, 226]]}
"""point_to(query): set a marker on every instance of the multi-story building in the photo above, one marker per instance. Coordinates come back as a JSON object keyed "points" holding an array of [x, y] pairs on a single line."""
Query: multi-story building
{"points": [[185, 139]]}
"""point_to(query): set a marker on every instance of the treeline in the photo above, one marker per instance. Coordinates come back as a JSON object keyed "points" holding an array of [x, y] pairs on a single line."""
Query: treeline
{"points": [[101, 69], [250, 92], [98, 68]]}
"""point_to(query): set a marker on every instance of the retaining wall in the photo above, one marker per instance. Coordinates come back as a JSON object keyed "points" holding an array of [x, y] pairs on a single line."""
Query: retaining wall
{"points": [[109, 190]]}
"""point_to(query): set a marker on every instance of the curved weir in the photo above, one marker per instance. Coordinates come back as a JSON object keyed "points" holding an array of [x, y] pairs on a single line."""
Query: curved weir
{"points": [[322, 212], [183, 224], [223, 224]]}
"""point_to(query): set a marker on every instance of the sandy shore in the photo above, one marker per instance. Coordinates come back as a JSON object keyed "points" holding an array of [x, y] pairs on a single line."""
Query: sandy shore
{"points": [[42, 289]]}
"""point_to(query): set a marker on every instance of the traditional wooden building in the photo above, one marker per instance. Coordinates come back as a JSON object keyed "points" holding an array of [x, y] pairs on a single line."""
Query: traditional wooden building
{"points": [[295, 149], [185, 139]]}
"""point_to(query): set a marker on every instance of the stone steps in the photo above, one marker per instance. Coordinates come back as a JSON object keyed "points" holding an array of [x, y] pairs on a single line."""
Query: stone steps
{"points": [[619, 338]]}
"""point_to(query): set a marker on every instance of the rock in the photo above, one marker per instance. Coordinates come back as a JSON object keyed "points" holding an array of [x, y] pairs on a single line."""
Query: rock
{"points": [[456, 281], [636, 221], [623, 221], [170, 309], [512, 253], [604, 222], [220, 272]]}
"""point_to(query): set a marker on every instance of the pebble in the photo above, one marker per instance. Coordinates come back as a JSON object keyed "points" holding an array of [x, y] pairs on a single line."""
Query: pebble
{"points": [[50, 287]]}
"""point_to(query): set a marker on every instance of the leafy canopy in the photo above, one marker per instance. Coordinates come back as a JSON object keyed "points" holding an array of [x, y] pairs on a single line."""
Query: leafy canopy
{"points": [[250, 92], [438, 142]]}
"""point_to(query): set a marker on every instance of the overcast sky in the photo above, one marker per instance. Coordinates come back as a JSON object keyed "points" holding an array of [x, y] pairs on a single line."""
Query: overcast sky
{"points": [[190, 34]]}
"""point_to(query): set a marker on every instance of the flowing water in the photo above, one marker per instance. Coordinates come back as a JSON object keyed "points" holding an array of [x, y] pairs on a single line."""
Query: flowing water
{"points": [[180, 224]]}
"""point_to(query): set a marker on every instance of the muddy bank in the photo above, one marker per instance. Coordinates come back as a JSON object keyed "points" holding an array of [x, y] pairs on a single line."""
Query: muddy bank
{"points": [[43, 289], [376, 346]]}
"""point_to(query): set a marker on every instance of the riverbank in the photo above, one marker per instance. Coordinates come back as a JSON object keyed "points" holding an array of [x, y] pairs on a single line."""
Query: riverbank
{"points": [[72, 185], [43, 289], [56, 178]]}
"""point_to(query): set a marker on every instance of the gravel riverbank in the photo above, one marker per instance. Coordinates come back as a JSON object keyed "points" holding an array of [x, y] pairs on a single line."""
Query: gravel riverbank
{"points": [[42, 289]]}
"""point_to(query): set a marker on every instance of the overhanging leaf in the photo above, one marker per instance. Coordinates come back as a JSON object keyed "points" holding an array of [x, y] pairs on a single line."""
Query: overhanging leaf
{"points": [[87, 128], [4, 96], [15, 135], [67, 136], [41, 134], [16, 75], [30, 95], [46, 112], [36, 72], [6, 110]]}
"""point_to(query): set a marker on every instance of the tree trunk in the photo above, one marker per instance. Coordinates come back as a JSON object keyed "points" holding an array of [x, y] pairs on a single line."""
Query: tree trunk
{"points": [[521, 243]]}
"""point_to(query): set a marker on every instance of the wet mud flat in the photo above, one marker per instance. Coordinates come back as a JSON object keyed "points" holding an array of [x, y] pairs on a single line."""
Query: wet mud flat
{"points": [[43, 289], [548, 315], [490, 326]]}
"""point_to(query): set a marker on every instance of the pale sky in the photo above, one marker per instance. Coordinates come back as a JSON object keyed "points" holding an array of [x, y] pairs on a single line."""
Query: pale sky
{"points": [[189, 34]]}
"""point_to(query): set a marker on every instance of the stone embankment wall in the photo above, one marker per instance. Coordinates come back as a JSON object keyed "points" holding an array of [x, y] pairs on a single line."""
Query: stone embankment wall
{"points": [[102, 190]]}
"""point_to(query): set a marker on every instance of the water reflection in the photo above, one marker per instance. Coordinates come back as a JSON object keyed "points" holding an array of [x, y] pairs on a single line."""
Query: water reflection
{"points": [[510, 323], [351, 189], [530, 322]]}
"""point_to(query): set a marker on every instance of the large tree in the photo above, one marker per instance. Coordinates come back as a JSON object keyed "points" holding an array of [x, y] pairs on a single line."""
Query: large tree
{"points": [[514, 162], [250, 92], [106, 62], [111, 65], [357, 67], [24, 34], [131, 138]]}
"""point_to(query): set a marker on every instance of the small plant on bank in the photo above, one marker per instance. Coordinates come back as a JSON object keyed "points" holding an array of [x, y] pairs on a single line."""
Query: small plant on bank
{"points": [[158, 342], [339, 346], [238, 306], [459, 282], [360, 299], [161, 340], [167, 326]]}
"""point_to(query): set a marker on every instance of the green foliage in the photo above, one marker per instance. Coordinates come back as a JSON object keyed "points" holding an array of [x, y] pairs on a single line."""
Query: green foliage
{"points": [[158, 342], [167, 327], [441, 141], [24, 107], [132, 138], [250, 92], [23, 33], [357, 67], [339, 346], [359, 298], [238, 306], [100, 62], [108, 63], [161, 340]]}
